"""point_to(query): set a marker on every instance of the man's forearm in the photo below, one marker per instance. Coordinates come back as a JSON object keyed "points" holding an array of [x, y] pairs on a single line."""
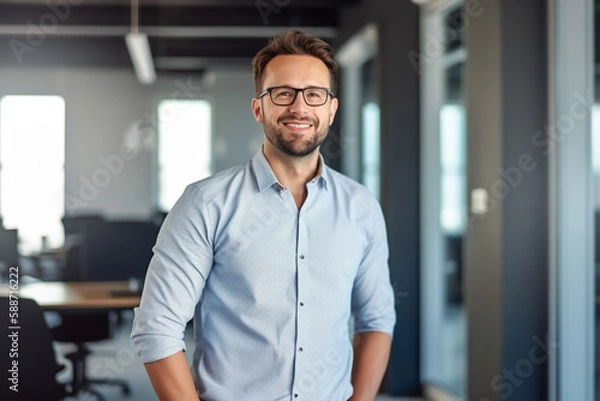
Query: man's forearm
{"points": [[371, 354], [171, 379]]}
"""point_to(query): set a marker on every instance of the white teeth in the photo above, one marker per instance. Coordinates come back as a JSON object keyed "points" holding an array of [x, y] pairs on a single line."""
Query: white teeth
{"points": [[299, 125]]}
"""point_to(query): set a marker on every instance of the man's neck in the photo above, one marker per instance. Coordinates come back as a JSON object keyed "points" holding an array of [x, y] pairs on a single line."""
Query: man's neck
{"points": [[290, 171]]}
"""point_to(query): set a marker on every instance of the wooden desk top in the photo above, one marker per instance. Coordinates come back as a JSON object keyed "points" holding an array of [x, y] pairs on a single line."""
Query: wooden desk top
{"points": [[78, 295]]}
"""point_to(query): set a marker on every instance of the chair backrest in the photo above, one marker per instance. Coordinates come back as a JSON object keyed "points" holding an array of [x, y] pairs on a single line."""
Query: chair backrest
{"points": [[9, 254], [75, 224], [28, 354]]}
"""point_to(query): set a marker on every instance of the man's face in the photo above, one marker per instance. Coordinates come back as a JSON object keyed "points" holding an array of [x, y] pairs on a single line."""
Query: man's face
{"points": [[298, 129]]}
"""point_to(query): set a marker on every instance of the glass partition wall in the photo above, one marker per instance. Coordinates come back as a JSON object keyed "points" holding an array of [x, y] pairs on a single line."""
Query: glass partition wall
{"points": [[574, 198], [440, 64], [596, 196], [452, 223], [370, 132]]}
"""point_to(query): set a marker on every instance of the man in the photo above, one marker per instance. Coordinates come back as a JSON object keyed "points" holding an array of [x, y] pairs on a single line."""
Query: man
{"points": [[271, 259]]}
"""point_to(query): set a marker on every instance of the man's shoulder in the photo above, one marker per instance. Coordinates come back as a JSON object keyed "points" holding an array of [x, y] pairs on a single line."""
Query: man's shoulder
{"points": [[354, 193], [215, 184], [348, 184]]}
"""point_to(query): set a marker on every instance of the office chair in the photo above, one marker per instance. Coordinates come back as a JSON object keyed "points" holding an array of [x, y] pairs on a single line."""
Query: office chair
{"points": [[80, 328], [9, 253], [36, 359], [75, 224]]}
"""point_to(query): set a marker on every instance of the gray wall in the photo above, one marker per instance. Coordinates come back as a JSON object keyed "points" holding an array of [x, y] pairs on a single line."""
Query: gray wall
{"points": [[507, 247], [110, 165]]}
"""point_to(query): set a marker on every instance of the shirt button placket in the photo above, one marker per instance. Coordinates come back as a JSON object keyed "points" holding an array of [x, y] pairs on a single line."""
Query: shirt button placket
{"points": [[302, 277]]}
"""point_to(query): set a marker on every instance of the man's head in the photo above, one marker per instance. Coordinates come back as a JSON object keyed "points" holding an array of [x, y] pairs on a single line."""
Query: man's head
{"points": [[294, 42], [295, 78]]}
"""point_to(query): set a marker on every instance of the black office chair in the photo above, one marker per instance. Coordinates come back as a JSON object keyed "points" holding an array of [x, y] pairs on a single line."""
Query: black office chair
{"points": [[80, 328], [33, 355], [9, 253]]}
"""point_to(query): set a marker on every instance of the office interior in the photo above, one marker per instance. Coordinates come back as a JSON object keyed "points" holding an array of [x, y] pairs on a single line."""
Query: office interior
{"points": [[475, 123]]}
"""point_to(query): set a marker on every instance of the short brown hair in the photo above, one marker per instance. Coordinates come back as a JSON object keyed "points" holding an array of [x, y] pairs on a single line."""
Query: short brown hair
{"points": [[294, 42]]}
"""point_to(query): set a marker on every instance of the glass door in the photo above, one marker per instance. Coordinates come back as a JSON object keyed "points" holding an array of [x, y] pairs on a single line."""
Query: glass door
{"points": [[574, 194], [443, 197], [596, 200]]}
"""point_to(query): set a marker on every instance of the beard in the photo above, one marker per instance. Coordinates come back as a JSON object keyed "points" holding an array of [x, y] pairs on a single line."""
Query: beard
{"points": [[296, 146]]}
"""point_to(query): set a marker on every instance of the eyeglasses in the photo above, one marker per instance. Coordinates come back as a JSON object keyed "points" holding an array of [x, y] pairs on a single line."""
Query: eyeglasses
{"points": [[285, 95]]}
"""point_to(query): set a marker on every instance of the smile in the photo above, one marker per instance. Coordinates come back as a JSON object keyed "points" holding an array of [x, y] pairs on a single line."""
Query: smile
{"points": [[295, 125]]}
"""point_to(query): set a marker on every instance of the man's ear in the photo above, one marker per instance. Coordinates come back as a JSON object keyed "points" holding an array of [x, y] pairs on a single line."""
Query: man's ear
{"points": [[333, 109], [257, 110]]}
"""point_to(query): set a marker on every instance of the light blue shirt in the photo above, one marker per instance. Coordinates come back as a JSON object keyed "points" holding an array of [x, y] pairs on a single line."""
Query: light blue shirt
{"points": [[271, 288]]}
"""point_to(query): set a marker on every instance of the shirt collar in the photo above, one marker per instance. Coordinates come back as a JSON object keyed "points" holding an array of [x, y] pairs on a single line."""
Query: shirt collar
{"points": [[321, 173], [265, 177], [262, 171]]}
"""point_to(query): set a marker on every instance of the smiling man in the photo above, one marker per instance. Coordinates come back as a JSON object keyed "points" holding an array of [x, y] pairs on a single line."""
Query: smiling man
{"points": [[272, 259]]}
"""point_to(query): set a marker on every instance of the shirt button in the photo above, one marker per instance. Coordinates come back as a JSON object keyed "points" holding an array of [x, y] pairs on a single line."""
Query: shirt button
{"points": [[301, 349], [295, 395], [301, 256], [301, 303]]}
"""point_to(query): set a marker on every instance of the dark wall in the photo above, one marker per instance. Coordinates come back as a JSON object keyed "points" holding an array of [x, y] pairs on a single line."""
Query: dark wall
{"points": [[507, 247], [398, 88]]}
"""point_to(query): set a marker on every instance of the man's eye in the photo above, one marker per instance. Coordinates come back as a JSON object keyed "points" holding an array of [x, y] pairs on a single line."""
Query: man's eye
{"points": [[315, 94]]}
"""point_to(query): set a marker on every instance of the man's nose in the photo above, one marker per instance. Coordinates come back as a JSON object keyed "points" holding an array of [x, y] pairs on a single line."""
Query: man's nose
{"points": [[299, 105]]}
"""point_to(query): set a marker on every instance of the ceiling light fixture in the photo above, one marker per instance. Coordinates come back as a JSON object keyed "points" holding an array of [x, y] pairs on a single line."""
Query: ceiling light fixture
{"points": [[139, 49]]}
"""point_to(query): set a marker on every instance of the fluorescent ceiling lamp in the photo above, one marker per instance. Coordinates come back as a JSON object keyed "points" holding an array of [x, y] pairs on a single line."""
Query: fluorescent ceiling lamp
{"points": [[141, 57]]}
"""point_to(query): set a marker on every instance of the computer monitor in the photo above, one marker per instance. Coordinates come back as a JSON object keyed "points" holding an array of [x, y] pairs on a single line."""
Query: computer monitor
{"points": [[118, 250]]}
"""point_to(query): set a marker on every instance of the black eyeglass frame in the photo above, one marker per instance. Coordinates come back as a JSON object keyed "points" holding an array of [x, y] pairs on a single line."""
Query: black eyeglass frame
{"points": [[329, 94]]}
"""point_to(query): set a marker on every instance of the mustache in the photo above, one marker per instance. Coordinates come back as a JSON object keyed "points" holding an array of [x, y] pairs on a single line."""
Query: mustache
{"points": [[296, 118]]}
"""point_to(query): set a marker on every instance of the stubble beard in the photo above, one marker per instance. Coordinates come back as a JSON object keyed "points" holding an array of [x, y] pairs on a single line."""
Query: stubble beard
{"points": [[296, 147]]}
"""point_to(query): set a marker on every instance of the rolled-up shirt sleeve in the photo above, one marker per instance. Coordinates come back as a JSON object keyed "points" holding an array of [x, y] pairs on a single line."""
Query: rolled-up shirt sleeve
{"points": [[373, 301], [175, 279]]}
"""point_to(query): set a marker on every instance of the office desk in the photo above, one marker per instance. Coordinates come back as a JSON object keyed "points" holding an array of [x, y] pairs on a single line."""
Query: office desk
{"points": [[55, 295], [85, 311]]}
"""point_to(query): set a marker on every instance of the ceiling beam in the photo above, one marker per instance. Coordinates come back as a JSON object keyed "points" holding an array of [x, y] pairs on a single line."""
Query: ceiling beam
{"points": [[204, 3], [180, 32], [167, 16]]}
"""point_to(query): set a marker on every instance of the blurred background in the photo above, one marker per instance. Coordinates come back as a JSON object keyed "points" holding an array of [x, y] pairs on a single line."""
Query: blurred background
{"points": [[475, 123]]}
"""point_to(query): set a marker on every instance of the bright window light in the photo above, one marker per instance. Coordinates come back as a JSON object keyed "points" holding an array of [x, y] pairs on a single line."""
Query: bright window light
{"points": [[371, 153], [453, 169], [32, 175], [596, 138], [184, 147]]}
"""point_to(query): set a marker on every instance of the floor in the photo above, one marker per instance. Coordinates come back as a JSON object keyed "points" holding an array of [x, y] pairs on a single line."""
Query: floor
{"points": [[116, 358], [453, 363]]}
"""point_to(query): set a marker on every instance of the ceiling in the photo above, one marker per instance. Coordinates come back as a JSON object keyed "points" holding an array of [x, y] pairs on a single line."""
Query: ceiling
{"points": [[184, 35]]}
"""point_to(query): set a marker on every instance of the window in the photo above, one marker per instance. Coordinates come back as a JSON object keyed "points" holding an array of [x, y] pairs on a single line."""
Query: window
{"points": [[596, 139], [596, 206], [184, 147], [453, 169], [370, 140], [32, 176]]}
